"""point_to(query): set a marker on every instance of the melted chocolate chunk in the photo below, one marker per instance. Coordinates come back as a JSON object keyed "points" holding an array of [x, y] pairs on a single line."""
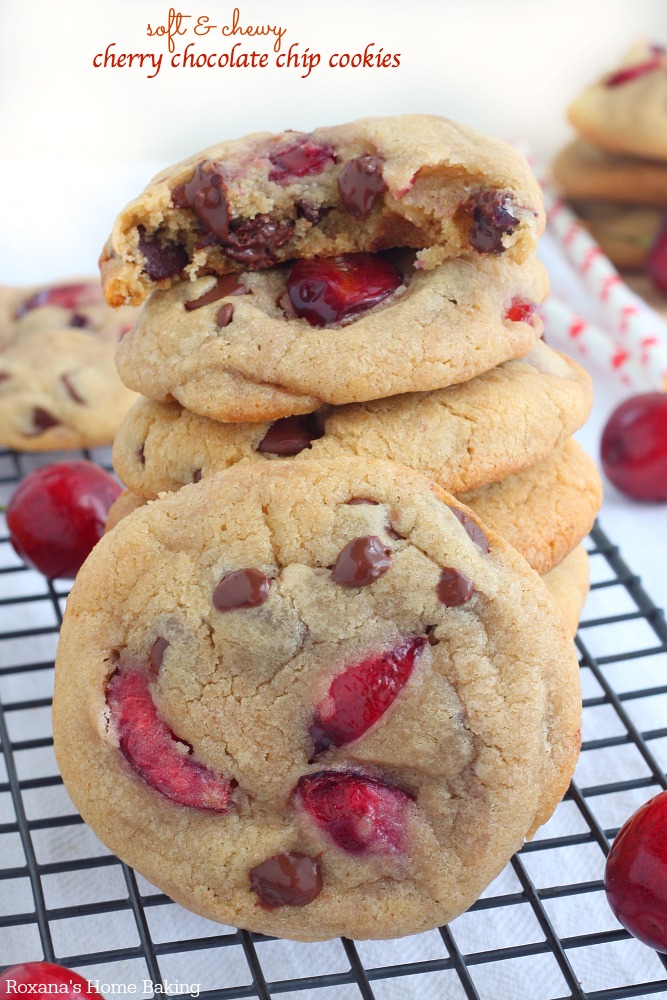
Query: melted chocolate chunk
{"points": [[196, 476], [472, 530], [360, 183], [141, 455], [42, 420], [290, 435], [253, 242], [162, 259], [393, 534], [453, 588], [206, 194], [71, 391], [226, 284], [491, 220], [157, 652], [311, 213], [242, 588], [289, 879], [361, 562], [225, 315]]}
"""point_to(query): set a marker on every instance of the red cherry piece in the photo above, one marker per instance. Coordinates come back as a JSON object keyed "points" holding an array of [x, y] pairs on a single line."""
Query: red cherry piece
{"points": [[151, 749], [83, 293], [289, 879], [633, 72], [291, 435], [471, 528], [41, 978], [243, 588], [226, 284], [363, 561], [331, 289], [635, 877], [358, 812], [656, 261], [362, 693], [360, 183], [491, 220], [453, 588], [57, 514], [162, 257], [634, 447], [300, 159], [521, 311]]}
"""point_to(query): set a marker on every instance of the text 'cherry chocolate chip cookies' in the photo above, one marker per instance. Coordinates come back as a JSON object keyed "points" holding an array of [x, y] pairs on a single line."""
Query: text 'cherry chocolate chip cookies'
{"points": [[314, 699], [415, 181]]}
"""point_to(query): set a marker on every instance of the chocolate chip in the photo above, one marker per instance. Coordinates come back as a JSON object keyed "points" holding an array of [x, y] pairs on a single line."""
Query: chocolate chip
{"points": [[290, 435], [225, 315], [491, 220], [471, 528], [431, 636], [42, 420], [4, 376], [80, 321], [253, 242], [158, 650], [360, 182], [205, 193], [361, 562], [162, 258], [141, 456], [393, 534], [453, 588], [196, 476], [289, 879], [71, 391], [311, 213], [357, 500], [242, 588], [226, 284]]}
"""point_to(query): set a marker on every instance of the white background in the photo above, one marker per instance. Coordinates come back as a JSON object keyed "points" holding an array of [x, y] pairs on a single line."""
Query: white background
{"points": [[78, 142]]}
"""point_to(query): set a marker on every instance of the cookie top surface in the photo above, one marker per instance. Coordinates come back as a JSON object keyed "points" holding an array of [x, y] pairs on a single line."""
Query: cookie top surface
{"points": [[379, 699], [414, 180], [626, 110], [584, 171], [435, 329], [59, 387], [463, 437], [569, 584]]}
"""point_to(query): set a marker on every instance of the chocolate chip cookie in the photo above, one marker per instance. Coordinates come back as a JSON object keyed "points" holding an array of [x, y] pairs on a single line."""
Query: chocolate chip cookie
{"points": [[625, 111], [569, 584], [234, 349], [415, 180], [314, 699], [586, 172]]}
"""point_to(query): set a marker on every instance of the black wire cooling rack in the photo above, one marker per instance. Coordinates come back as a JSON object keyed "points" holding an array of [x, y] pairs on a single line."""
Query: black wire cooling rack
{"points": [[542, 930]]}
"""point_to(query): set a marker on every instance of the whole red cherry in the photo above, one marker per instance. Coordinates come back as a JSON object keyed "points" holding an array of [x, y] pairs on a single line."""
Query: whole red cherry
{"points": [[16, 980], [57, 514], [635, 877], [634, 447]]}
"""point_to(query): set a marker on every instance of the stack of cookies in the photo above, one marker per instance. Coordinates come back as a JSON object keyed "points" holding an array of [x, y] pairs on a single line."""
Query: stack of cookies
{"points": [[615, 172], [59, 388], [341, 697]]}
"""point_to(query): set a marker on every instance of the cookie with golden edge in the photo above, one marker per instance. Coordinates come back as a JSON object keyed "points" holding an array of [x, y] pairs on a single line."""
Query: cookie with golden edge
{"points": [[203, 721]]}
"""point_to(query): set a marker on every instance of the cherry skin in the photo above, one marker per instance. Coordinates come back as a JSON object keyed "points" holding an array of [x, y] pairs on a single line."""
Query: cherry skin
{"points": [[328, 290], [57, 514], [635, 877], [634, 447], [44, 973], [656, 260]]}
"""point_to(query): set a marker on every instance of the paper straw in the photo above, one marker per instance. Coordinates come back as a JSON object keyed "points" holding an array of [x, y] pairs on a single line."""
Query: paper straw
{"points": [[564, 327]]}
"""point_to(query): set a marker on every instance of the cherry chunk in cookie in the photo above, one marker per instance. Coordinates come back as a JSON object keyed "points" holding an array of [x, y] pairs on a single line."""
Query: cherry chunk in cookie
{"points": [[413, 180], [295, 695]]}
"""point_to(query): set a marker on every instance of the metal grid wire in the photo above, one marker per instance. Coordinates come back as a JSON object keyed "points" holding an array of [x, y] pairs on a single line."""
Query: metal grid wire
{"points": [[566, 920]]}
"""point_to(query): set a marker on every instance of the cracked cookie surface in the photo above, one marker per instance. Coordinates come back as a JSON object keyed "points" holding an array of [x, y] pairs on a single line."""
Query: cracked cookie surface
{"points": [[440, 328], [261, 616], [412, 180]]}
